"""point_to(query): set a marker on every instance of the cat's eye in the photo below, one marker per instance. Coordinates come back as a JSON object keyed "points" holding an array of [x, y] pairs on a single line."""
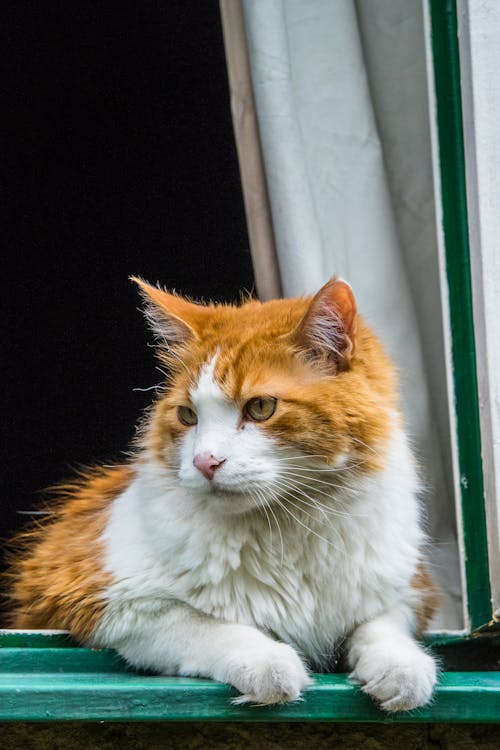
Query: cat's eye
{"points": [[260, 408], [187, 416]]}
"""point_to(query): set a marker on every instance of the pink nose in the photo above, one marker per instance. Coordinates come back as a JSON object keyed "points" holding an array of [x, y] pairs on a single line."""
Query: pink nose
{"points": [[207, 464]]}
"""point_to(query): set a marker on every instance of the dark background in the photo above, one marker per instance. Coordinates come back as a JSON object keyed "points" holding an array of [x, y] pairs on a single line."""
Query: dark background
{"points": [[118, 159]]}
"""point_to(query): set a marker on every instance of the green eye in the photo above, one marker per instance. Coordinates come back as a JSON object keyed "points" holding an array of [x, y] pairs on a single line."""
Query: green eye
{"points": [[187, 416], [260, 408]]}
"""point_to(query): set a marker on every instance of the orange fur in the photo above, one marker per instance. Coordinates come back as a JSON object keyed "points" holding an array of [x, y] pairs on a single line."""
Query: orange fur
{"points": [[424, 585], [57, 577]]}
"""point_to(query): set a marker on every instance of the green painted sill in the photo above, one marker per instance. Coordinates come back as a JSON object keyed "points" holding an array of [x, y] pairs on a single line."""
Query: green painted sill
{"points": [[46, 678]]}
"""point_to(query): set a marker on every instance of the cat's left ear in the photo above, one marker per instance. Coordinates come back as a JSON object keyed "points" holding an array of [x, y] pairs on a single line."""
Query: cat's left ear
{"points": [[173, 319], [328, 329]]}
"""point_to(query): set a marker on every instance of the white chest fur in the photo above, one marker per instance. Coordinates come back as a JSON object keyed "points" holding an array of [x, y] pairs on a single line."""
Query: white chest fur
{"points": [[309, 586]]}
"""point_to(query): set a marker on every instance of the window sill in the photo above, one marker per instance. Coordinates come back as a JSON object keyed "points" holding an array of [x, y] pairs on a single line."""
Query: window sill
{"points": [[61, 682]]}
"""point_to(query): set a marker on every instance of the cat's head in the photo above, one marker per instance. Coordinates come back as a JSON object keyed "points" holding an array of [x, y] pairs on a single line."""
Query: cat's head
{"points": [[261, 397]]}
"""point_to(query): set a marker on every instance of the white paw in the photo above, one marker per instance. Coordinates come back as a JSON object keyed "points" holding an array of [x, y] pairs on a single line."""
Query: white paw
{"points": [[273, 673], [398, 679]]}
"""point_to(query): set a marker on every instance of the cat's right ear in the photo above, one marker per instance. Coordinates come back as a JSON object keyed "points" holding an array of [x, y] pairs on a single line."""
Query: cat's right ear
{"points": [[172, 319], [328, 330]]}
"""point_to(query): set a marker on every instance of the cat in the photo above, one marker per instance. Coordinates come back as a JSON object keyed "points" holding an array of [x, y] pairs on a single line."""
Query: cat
{"points": [[268, 515]]}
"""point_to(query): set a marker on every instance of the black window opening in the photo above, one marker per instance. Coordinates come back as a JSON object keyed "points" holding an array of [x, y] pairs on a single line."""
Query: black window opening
{"points": [[120, 160]]}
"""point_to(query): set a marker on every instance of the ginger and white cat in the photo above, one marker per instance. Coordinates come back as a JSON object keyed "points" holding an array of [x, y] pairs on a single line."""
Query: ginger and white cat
{"points": [[269, 515]]}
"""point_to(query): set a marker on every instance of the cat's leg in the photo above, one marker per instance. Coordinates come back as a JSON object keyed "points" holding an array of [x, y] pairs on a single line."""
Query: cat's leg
{"points": [[389, 663], [177, 639]]}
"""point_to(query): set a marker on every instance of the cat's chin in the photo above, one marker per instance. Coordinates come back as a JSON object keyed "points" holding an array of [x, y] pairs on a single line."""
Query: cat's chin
{"points": [[229, 499]]}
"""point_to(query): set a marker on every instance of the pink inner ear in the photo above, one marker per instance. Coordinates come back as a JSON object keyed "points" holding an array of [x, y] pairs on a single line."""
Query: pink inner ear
{"points": [[342, 300], [330, 323]]}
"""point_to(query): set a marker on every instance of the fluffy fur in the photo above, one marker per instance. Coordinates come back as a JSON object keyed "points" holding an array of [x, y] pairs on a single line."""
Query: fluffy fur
{"points": [[302, 534]]}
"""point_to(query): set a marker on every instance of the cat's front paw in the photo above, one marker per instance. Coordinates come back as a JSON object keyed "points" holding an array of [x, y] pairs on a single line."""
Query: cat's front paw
{"points": [[273, 673], [398, 679]]}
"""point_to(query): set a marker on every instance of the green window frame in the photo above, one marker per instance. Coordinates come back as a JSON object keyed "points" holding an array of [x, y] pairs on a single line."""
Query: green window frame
{"points": [[45, 676], [444, 37]]}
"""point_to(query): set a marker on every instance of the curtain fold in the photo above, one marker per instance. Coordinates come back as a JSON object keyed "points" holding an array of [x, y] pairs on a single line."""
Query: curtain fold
{"points": [[255, 196], [341, 99]]}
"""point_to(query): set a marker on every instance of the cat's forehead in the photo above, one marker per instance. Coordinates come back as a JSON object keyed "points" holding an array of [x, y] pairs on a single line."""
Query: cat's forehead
{"points": [[252, 320], [243, 350], [241, 373]]}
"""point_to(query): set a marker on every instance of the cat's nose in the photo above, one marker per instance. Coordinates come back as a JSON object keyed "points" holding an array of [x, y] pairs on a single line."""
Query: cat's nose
{"points": [[207, 464]]}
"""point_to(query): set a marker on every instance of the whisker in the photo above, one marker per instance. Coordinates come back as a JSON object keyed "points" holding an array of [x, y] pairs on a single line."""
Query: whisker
{"points": [[334, 470], [314, 504], [151, 388], [262, 504], [163, 372], [311, 503], [295, 484], [296, 506], [297, 477], [276, 499], [365, 445], [304, 457], [292, 474], [292, 490], [279, 532], [293, 478], [324, 508], [289, 512]]}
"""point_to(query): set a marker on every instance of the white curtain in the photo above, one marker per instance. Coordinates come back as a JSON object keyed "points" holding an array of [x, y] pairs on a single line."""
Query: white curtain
{"points": [[340, 89]]}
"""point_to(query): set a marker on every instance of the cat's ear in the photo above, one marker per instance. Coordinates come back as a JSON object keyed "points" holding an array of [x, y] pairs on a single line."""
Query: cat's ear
{"points": [[328, 329], [173, 319]]}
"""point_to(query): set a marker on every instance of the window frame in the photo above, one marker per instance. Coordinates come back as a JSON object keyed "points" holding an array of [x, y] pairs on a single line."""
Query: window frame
{"points": [[478, 33], [451, 179]]}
